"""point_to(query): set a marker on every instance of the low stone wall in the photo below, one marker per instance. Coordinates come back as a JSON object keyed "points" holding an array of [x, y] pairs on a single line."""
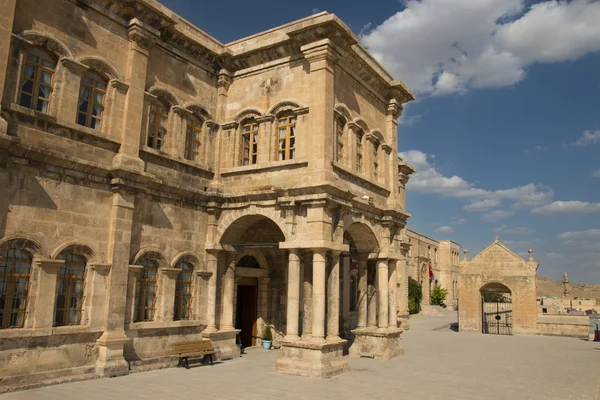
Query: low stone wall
{"points": [[563, 325]]}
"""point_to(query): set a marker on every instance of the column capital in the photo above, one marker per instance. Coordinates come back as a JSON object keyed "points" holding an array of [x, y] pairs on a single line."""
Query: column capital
{"points": [[394, 108], [102, 269], [170, 272], [322, 50], [49, 266], [142, 35]]}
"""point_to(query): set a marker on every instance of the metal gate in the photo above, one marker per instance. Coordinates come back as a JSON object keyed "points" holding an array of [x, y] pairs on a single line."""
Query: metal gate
{"points": [[497, 318]]}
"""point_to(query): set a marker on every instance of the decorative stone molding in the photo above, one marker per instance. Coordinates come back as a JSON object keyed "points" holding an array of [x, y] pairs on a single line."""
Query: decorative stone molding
{"points": [[229, 125], [121, 87], [49, 266], [102, 269], [203, 273], [73, 66]]}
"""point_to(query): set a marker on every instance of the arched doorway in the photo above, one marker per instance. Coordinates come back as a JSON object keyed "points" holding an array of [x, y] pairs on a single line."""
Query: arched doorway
{"points": [[259, 271], [496, 309]]}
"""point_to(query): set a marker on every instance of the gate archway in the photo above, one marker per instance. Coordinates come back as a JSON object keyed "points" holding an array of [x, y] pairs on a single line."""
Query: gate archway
{"points": [[496, 309]]}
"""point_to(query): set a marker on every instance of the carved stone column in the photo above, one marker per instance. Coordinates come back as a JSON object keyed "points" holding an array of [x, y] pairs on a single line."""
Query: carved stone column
{"points": [[393, 282], [383, 292], [362, 293], [333, 298], [211, 304], [293, 295], [318, 296], [228, 299], [372, 296], [307, 292]]}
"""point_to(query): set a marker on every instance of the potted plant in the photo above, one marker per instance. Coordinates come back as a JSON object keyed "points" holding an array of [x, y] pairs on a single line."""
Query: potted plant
{"points": [[267, 339], [238, 341]]}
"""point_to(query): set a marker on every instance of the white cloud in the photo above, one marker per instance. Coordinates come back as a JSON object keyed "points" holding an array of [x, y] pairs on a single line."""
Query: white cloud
{"points": [[596, 174], [449, 46], [519, 230], [444, 230], [458, 220], [427, 179], [567, 207], [496, 215], [577, 235], [482, 205], [587, 138]]}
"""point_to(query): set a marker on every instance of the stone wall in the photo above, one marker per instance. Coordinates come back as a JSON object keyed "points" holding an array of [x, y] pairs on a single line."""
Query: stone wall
{"points": [[563, 325]]}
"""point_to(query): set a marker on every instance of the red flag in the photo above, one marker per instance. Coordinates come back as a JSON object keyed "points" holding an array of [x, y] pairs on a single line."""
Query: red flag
{"points": [[430, 271]]}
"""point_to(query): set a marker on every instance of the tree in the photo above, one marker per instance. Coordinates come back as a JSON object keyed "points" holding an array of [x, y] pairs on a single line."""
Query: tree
{"points": [[494, 297], [415, 294], [438, 295]]}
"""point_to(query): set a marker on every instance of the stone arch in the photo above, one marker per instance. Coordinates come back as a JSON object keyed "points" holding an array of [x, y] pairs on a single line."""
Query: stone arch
{"points": [[79, 248], [101, 65], [364, 238], [343, 111], [495, 286], [258, 256], [48, 42], [284, 105], [243, 219], [248, 113], [22, 242], [362, 124], [164, 94], [198, 110], [376, 133], [190, 257], [152, 253]]}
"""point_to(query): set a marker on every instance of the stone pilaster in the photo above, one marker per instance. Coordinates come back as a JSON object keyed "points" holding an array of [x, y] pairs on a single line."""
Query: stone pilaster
{"points": [[141, 39], [43, 314], [110, 360], [393, 112], [362, 293], [228, 299], [98, 292], [307, 292], [70, 82], [168, 280], [7, 17], [293, 295]]}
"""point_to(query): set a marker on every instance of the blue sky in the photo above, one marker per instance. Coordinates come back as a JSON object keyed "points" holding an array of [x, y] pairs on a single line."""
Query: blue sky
{"points": [[505, 134]]}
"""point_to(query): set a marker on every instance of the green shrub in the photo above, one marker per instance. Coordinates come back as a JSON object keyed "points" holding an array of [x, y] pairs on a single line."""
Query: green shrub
{"points": [[438, 295], [267, 334], [415, 294]]}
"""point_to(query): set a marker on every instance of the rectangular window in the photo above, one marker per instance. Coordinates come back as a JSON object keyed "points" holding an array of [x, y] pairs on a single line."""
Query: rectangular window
{"points": [[145, 292], [286, 140], [157, 126], [192, 139], [91, 100], [249, 155], [37, 79]]}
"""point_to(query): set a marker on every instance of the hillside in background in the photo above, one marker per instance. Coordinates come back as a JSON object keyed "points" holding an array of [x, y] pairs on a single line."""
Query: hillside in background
{"points": [[548, 287]]}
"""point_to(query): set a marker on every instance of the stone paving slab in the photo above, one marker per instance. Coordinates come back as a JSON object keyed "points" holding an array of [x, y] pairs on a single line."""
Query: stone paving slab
{"points": [[438, 364]]}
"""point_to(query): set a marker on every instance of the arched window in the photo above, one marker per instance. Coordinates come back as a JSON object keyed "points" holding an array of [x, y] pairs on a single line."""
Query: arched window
{"points": [[69, 290], [193, 133], [37, 79], [249, 151], [339, 140], [15, 270], [183, 292], [91, 100], [375, 160], [157, 125], [286, 138], [359, 152], [145, 291]]}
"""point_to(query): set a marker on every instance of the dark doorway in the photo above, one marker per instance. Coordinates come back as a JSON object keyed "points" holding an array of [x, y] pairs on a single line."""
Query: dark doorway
{"points": [[496, 309], [245, 313]]}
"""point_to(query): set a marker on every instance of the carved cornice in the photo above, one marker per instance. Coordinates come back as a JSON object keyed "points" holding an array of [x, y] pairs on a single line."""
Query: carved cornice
{"points": [[73, 66], [229, 125], [120, 86]]}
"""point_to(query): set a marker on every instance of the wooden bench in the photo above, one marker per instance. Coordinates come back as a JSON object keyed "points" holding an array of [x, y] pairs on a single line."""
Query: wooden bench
{"points": [[188, 350]]}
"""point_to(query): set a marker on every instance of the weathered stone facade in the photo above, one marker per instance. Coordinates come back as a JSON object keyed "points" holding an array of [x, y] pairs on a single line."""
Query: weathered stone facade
{"points": [[444, 258], [152, 176]]}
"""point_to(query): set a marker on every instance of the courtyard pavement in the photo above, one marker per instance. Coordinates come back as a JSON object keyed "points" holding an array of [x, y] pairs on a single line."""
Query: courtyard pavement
{"points": [[438, 364]]}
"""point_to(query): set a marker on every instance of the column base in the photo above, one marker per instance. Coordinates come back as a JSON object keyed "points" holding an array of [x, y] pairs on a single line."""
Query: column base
{"points": [[111, 361], [313, 360], [381, 344], [224, 342], [403, 322]]}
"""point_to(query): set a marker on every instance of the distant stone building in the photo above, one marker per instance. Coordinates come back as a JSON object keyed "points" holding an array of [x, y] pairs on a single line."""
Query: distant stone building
{"points": [[443, 256], [160, 187]]}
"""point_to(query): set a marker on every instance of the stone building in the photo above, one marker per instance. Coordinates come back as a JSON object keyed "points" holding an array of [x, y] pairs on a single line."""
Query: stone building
{"points": [[443, 256], [159, 186]]}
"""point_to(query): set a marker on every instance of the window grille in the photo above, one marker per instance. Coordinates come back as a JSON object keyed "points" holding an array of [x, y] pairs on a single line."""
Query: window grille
{"points": [[69, 291], [15, 271], [92, 93]]}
